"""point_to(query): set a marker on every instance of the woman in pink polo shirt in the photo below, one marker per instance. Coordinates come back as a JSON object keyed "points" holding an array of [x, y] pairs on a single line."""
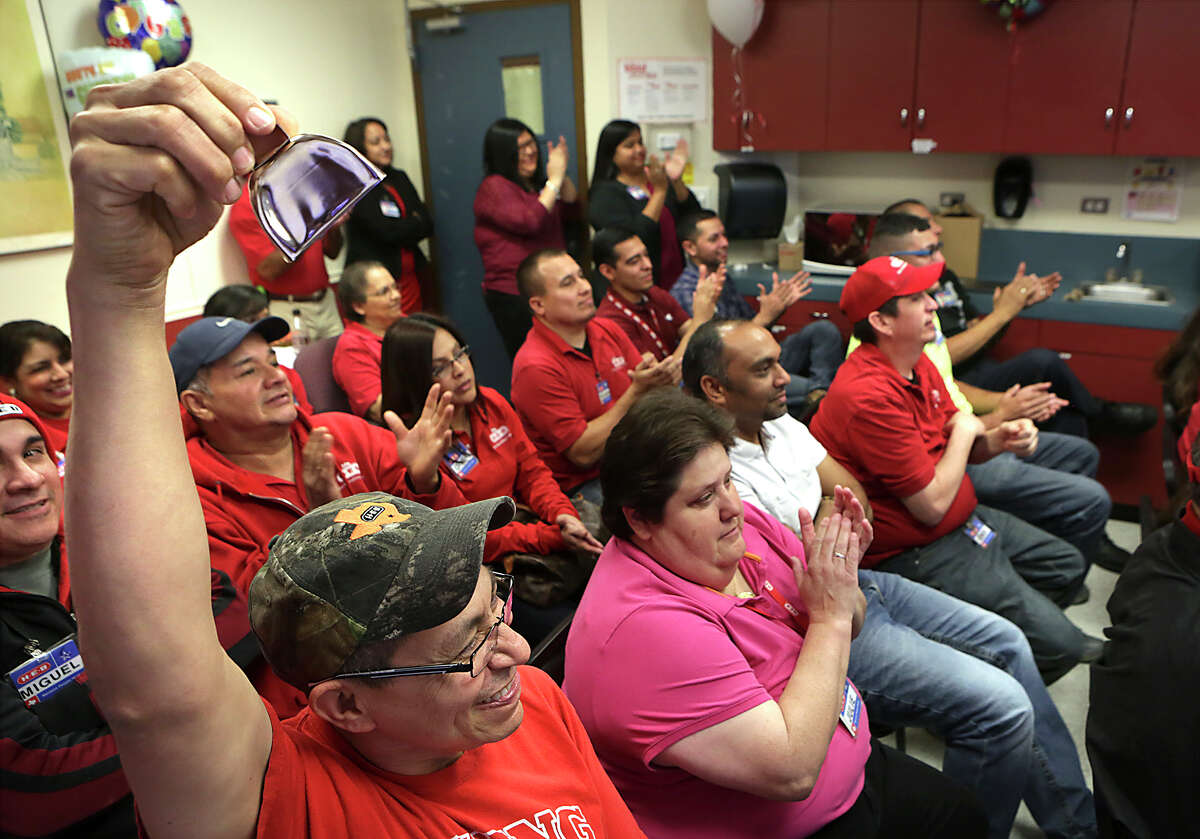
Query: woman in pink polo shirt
{"points": [[546, 546], [708, 656]]}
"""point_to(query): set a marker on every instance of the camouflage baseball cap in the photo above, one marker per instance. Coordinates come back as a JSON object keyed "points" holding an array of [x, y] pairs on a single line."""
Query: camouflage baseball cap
{"points": [[371, 567]]}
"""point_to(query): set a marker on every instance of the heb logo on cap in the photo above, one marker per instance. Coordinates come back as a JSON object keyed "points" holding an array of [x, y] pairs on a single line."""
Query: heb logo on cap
{"points": [[10, 408], [370, 518]]}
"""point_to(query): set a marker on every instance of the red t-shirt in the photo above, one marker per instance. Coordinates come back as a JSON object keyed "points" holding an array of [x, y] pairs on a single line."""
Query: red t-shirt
{"points": [[509, 465], [653, 324], [890, 433], [558, 390], [57, 430], [307, 274], [356, 361], [543, 780]]}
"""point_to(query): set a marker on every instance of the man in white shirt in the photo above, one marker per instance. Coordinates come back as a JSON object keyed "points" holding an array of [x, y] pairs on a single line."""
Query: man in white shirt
{"points": [[1003, 734]]}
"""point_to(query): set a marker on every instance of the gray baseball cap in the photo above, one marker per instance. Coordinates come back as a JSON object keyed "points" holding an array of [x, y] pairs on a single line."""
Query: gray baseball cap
{"points": [[371, 567]]}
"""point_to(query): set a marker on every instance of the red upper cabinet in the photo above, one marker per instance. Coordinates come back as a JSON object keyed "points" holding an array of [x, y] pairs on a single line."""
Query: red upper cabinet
{"points": [[785, 80], [962, 76], [1162, 81], [872, 73], [1065, 82]]}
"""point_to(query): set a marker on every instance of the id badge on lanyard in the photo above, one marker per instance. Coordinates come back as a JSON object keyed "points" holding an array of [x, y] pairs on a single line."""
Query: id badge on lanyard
{"points": [[460, 459], [45, 674], [603, 391]]}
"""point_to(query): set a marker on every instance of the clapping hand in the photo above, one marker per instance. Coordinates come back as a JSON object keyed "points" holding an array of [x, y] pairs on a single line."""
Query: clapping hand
{"points": [[421, 447], [677, 160]]}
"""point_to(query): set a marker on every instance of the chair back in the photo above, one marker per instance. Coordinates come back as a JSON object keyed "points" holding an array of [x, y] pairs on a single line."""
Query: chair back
{"points": [[314, 363], [550, 655]]}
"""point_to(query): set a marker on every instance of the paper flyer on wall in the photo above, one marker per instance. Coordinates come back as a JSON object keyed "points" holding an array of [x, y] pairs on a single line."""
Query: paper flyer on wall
{"points": [[1155, 190], [663, 90]]}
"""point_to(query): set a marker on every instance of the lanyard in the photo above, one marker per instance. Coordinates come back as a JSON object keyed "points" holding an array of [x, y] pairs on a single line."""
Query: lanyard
{"points": [[798, 619], [636, 318]]}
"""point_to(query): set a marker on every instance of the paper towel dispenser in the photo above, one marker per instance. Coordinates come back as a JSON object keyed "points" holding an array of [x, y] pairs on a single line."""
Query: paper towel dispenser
{"points": [[753, 199]]}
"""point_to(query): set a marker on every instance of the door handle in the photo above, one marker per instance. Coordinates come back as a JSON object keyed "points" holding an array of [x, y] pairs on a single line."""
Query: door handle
{"points": [[904, 116], [1128, 116], [1108, 116], [819, 315], [920, 117]]}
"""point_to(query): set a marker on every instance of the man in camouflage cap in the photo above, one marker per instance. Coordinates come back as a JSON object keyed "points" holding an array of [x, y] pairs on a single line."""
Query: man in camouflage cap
{"points": [[421, 720]]}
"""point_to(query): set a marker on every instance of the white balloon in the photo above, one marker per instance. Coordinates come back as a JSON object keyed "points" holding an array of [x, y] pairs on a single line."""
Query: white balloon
{"points": [[736, 20]]}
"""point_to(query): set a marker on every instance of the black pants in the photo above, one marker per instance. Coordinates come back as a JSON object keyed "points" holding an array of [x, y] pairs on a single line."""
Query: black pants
{"points": [[904, 797], [512, 317], [1031, 367]]}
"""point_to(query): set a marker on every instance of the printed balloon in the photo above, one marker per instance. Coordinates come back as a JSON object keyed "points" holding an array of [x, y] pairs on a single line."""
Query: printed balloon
{"points": [[157, 27]]}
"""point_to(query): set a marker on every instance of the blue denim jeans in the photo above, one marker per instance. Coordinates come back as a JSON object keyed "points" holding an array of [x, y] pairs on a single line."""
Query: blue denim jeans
{"points": [[1052, 489], [811, 356], [928, 660]]}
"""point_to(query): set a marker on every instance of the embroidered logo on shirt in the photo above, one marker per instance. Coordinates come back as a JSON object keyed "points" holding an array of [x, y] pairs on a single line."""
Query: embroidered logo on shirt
{"points": [[618, 362], [499, 435], [370, 518], [350, 470]]}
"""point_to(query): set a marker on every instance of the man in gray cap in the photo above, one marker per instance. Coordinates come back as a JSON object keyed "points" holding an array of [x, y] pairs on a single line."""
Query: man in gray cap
{"points": [[421, 721], [260, 461]]}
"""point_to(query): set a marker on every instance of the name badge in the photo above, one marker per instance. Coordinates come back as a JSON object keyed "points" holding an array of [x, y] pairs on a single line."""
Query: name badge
{"points": [[979, 533], [389, 208], [851, 709], [44, 675], [460, 459], [603, 392]]}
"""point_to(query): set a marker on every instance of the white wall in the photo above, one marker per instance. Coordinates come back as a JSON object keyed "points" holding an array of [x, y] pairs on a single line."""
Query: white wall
{"points": [[332, 64]]}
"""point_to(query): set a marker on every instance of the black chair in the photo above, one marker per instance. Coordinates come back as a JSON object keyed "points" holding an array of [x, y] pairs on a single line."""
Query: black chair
{"points": [[550, 655]]}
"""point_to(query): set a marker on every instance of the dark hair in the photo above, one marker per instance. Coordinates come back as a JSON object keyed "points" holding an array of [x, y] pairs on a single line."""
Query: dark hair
{"points": [[1178, 368], [500, 153], [604, 244], [649, 448], [611, 136], [864, 332], [891, 229], [896, 207], [356, 133], [17, 336], [705, 356], [688, 227], [406, 363], [241, 301], [529, 280], [352, 287]]}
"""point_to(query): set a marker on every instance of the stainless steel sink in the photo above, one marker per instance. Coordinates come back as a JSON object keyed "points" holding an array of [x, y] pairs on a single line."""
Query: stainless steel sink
{"points": [[1127, 292]]}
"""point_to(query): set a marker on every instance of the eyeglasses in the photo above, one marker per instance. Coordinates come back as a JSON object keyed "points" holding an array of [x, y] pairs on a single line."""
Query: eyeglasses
{"points": [[475, 662], [301, 189], [457, 356], [528, 145], [930, 251]]}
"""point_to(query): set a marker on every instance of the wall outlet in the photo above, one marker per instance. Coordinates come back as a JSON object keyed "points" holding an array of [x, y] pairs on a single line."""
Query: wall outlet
{"points": [[949, 199], [1094, 205]]}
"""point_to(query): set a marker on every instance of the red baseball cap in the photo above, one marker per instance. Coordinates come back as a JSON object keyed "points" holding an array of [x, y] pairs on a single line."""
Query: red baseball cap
{"points": [[13, 408], [880, 279]]}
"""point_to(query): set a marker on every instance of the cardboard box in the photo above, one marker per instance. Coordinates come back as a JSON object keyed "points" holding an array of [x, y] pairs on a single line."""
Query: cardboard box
{"points": [[791, 257], [962, 228]]}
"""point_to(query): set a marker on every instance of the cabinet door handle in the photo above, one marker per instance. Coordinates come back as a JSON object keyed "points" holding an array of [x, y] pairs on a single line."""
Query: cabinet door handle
{"points": [[819, 315], [904, 116], [1128, 116], [1108, 115], [1065, 356], [920, 117]]}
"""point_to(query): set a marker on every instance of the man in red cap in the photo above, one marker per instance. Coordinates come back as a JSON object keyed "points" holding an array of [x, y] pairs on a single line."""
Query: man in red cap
{"points": [[889, 421]]}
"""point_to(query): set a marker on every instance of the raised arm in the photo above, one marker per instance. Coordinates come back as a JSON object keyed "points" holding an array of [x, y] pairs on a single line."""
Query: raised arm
{"points": [[154, 164]]}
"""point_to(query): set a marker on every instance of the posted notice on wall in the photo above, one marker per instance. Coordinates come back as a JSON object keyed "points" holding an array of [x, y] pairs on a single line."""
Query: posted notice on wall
{"points": [[1155, 190], [663, 89]]}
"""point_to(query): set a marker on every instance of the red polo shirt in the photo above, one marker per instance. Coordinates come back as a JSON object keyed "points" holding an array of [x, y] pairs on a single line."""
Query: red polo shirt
{"points": [[510, 465], [305, 277], [890, 433], [557, 389], [356, 361], [653, 324]]}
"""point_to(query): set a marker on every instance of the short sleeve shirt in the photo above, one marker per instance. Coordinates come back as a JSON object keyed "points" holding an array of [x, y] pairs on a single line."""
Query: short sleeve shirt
{"points": [[780, 476], [557, 389], [653, 658], [652, 324], [890, 434], [304, 277]]}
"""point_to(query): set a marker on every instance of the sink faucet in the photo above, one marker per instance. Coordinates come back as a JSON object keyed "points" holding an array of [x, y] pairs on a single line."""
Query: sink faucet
{"points": [[1123, 262]]}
